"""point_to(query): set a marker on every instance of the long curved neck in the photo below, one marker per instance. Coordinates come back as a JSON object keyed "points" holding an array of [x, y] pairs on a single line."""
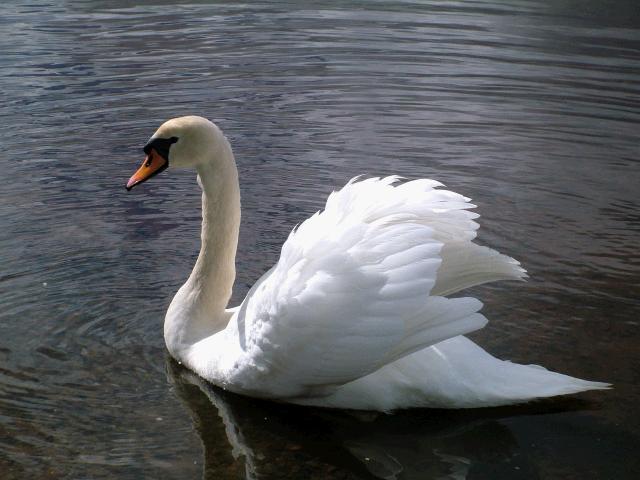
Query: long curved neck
{"points": [[214, 272], [198, 309]]}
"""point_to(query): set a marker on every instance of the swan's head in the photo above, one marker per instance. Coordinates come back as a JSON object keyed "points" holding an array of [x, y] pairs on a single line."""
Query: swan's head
{"points": [[181, 142]]}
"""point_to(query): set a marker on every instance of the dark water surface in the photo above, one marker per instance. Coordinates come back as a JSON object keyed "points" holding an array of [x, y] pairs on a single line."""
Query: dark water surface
{"points": [[532, 108]]}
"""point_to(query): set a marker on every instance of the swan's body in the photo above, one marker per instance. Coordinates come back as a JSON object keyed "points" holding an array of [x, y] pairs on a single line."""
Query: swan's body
{"points": [[356, 312]]}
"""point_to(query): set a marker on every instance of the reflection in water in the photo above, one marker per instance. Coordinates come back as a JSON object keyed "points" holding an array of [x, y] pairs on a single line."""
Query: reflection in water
{"points": [[270, 440]]}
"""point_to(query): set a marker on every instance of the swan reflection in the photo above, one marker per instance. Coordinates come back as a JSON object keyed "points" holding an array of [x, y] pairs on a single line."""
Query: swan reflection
{"points": [[245, 437]]}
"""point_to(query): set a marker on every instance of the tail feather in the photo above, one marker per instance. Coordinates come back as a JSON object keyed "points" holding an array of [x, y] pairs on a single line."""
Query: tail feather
{"points": [[455, 373]]}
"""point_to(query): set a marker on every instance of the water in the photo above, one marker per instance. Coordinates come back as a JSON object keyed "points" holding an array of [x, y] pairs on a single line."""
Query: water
{"points": [[531, 108]]}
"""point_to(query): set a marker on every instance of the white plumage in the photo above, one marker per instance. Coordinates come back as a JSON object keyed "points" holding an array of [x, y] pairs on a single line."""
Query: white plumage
{"points": [[356, 312], [350, 292]]}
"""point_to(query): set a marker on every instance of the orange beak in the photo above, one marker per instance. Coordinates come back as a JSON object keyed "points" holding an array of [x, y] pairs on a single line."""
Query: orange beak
{"points": [[153, 164]]}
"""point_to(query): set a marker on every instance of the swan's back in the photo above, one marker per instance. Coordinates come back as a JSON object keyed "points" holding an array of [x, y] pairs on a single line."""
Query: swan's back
{"points": [[359, 286]]}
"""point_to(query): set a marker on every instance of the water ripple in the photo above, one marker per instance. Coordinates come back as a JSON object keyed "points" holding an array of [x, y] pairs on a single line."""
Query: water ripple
{"points": [[531, 108]]}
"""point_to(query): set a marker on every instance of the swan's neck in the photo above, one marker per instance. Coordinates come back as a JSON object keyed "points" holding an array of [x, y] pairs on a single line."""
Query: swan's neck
{"points": [[198, 309]]}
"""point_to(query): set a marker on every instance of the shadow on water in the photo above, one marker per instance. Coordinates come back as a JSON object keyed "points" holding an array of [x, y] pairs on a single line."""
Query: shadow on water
{"points": [[271, 440]]}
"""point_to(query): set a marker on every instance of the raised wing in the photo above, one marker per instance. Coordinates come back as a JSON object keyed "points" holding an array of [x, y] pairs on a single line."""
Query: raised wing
{"points": [[350, 292]]}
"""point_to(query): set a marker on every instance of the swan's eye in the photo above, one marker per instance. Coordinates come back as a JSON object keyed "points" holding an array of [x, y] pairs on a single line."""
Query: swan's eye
{"points": [[149, 160]]}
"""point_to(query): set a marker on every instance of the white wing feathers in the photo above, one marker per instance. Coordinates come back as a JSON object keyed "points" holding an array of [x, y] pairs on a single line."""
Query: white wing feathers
{"points": [[351, 290], [466, 264]]}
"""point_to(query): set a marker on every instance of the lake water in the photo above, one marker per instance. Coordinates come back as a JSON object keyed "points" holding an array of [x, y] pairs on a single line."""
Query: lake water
{"points": [[532, 108]]}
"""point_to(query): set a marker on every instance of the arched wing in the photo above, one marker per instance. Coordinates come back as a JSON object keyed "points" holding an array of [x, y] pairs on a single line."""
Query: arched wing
{"points": [[350, 292]]}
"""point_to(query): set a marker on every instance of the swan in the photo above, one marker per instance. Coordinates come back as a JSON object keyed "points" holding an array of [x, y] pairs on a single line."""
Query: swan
{"points": [[357, 312]]}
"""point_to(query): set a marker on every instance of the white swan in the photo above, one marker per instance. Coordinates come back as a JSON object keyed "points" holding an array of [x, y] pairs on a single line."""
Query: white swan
{"points": [[356, 312]]}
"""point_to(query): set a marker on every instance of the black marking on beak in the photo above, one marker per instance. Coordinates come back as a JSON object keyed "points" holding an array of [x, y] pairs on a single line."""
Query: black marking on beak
{"points": [[161, 146]]}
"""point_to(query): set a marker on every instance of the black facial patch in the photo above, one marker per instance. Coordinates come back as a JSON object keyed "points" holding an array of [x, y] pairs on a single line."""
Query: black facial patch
{"points": [[160, 145]]}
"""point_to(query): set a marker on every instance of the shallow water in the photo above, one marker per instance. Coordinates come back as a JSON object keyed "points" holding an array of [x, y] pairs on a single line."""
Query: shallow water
{"points": [[531, 108]]}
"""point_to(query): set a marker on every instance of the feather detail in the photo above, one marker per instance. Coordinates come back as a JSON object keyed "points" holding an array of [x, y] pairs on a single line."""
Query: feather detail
{"points": [[455, 373], [351, 291]]}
